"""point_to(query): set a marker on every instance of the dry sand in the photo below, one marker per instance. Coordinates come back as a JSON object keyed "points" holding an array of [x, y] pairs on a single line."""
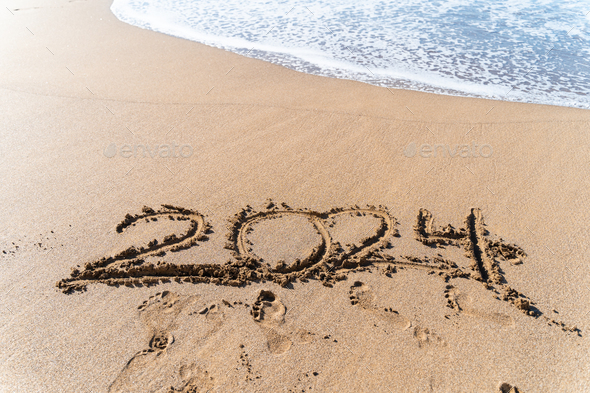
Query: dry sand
{"points": [[348, 287]]}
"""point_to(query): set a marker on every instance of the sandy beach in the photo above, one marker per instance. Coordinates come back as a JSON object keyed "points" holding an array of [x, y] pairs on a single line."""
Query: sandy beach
{"points": [[179, 218]]}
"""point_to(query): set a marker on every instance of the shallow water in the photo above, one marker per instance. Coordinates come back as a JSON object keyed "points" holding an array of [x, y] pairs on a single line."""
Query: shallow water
{"points": [[514, 50]]}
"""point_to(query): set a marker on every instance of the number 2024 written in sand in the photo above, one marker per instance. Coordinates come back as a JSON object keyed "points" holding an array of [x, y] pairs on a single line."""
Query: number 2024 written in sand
{"points": [[328, 262]]}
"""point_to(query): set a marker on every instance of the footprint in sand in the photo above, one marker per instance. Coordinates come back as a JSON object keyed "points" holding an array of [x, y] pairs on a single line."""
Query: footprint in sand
{"points": [[464, 304], [194, 380], [269, 313], [157, 369], [362, 295], [427, 338]]}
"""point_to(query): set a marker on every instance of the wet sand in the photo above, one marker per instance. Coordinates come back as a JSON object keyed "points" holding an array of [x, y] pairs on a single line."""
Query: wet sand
{"points": [[179, 217]]}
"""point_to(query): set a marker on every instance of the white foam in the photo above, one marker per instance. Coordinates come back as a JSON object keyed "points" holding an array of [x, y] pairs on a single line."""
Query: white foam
{"points": [[449, 47]]}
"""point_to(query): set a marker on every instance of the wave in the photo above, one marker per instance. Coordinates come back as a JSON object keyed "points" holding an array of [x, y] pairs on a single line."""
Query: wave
{"points": [[525, 51]]}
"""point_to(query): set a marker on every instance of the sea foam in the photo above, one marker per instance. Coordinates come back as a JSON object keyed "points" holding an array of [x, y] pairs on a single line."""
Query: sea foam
{"points": [[514, 50]]}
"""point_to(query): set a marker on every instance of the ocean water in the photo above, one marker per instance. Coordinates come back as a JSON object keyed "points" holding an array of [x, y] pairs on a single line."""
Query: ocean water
{"points": [[515, 50]]}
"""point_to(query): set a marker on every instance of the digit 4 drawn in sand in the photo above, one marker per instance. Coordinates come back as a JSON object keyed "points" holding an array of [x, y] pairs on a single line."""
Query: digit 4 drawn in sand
{"points": [[328, 262]]}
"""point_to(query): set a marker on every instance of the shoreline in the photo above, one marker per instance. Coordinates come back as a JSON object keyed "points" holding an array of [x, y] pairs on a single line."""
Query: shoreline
{"points": [[187, 51], [314, 61]]}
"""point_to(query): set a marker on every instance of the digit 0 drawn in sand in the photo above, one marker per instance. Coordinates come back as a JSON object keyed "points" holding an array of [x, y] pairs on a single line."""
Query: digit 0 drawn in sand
{"points": [[328, 261], [327, 253]]}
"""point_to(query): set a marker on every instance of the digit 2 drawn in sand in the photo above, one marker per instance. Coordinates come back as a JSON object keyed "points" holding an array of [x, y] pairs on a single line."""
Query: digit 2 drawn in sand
{"points": [[328, 261], [128, 266]]}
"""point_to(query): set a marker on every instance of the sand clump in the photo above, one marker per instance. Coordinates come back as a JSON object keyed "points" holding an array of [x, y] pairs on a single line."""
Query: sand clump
{"points": [[504, 387]]}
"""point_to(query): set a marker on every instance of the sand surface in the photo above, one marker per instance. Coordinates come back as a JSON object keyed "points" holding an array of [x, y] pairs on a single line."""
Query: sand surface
{"points": [[349, 280]]}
